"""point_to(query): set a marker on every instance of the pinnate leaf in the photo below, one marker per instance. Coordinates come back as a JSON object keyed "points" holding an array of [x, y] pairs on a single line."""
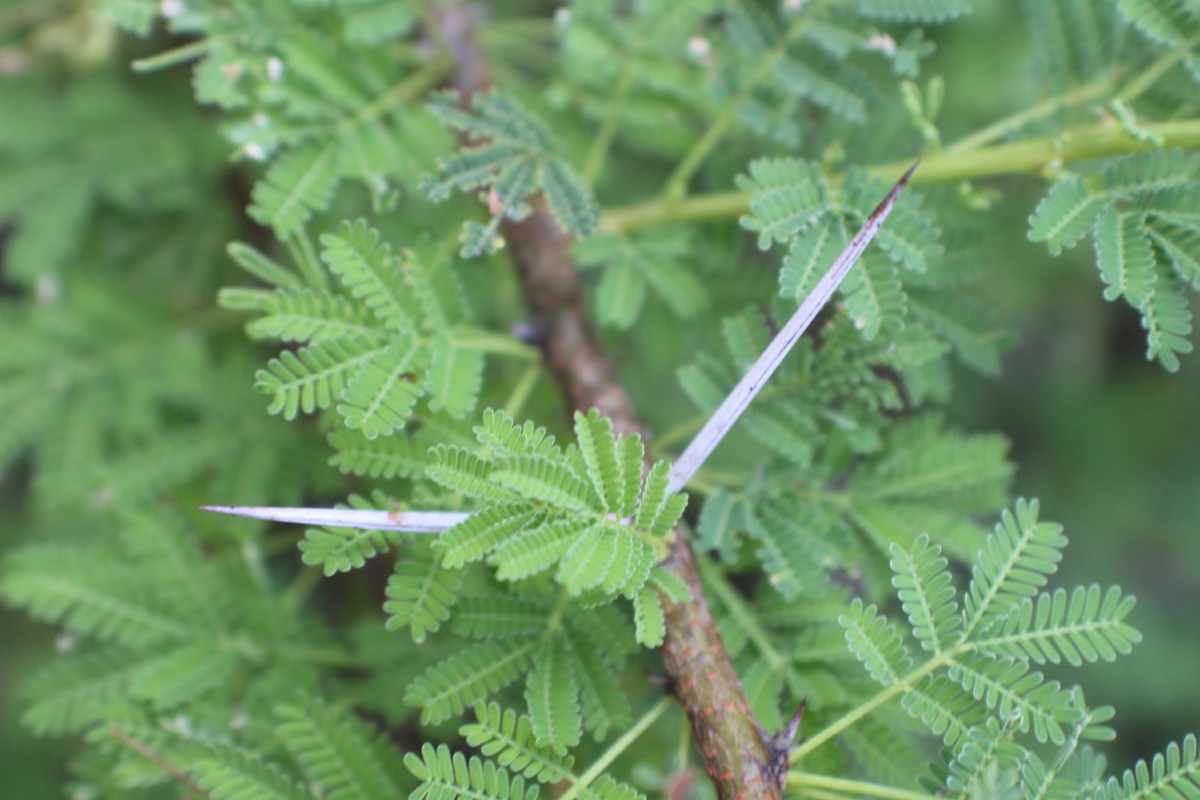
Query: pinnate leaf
{"points": [[552, 695], [1065, 215]]}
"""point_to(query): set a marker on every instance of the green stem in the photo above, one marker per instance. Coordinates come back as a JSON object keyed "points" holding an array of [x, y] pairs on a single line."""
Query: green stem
{"points": [[523, 388], [305, 257], [1156, 70], [714, 580], [676, 184], [252, 556], [411, 87], [945, 658], [176, 55], [301, 587], [801, 780], [1026, 157], [1075, 97], [679, 433], [604, 137], [661, 211], [619, 746], [554, 623], [498, 344], [326, 657], [821, 794], [863, 709], [701, 485]]}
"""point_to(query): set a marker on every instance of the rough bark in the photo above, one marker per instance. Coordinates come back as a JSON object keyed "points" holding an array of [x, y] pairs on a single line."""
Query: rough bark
{"points": [[728, 737]]}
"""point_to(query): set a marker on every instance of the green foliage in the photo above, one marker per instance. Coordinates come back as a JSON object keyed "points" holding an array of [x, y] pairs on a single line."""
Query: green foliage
{"points": [[518, 632], [876, 643], [369, 351], [420, 592], [203, 657], [468, 678], [228, 774], [926, 591], [1014, 564], [915, 10], [1173, 774], [506, 741], [633, 268], [547, 512], [514, 160], [283, 74], [502, 734], [1134, 196], [1169, 22], [560, 507], [342, 757], [975, 683], [551, 695], [344, 549], [56, 181], [1074, 40], [443, 775]]}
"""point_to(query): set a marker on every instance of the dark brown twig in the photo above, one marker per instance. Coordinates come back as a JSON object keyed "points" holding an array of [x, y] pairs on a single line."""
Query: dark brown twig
{"points": [[701, 673]]}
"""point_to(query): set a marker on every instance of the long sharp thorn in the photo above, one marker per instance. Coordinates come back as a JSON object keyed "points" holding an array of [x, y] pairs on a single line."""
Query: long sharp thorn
{"points": [[410, 521], [752, 382], [692, 458]]}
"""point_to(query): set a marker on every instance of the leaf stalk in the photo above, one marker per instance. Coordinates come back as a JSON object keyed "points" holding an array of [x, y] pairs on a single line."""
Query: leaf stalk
{"points": [[1031, 156]]}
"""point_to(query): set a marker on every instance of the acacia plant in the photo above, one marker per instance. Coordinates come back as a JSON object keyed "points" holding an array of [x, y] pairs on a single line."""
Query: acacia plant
{"points": [[501, 264]]}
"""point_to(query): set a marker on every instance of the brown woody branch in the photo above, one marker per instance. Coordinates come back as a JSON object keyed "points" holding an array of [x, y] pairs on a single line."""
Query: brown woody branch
{"points": [[728, 736]]}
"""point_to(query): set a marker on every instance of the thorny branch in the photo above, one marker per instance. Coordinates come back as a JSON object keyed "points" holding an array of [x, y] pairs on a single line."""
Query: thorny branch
{"points": [[727, 733]]}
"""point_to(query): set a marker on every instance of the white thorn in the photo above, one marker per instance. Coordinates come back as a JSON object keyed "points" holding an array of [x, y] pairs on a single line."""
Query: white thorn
{"points": [[761, 370], [410, 521]]}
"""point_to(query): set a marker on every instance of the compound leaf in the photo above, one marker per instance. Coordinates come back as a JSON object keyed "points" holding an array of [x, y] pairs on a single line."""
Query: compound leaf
{"points": [[300, 183], [927, 593], [315, 376], [1082, 626], [468, 677], [420, 592], [552, 695], [460, 470], [342, 756], [230, 774], [455, 376], [1014, 564], [648, 618], [875, 642], [481, 533], [381, 396], [445, 776], [1174, 773], [1124, 257], [367, 268], [509, 739], [1065, 215]]}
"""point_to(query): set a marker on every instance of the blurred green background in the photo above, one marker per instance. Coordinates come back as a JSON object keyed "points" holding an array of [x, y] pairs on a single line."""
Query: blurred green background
{"points": [[1109, 443]]}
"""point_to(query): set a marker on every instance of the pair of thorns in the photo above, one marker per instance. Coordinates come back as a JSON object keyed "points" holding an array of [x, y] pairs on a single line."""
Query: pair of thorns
{"points": [[692, 457], [697, 452]]}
